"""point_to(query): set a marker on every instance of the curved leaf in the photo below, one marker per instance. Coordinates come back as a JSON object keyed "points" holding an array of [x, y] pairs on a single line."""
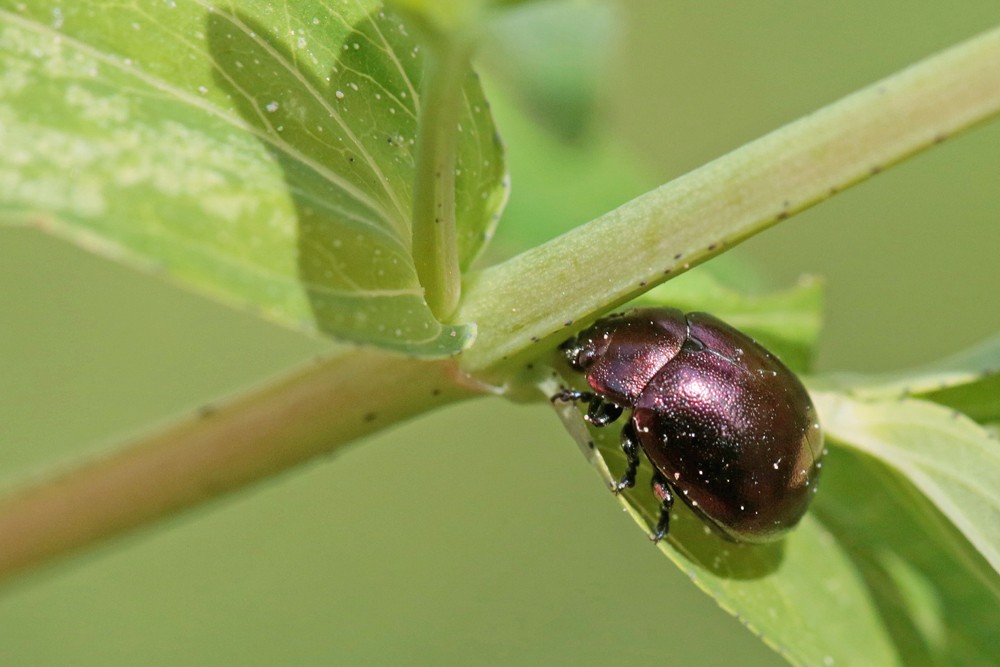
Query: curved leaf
{"points": [[975, 371], [978, 400], [259, 155], [948, 457], [937, 598], [871, 576], [779, 591]]}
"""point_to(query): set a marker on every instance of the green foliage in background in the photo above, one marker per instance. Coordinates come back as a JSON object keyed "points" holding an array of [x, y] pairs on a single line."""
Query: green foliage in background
{"points": [[267, 159]]}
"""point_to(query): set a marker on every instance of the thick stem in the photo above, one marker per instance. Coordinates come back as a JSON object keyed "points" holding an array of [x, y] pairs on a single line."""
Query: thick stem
{"points": [[542, 295], [312, 412], [435, 241], [517, 304]]}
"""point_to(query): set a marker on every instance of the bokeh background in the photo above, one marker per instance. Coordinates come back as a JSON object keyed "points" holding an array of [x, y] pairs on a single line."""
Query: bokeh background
{"points": [[479, 535]]}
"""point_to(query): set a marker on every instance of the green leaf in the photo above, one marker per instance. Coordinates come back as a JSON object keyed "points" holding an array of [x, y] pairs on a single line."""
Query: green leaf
{"points": [[937, 598], [773, 589], [871, 576], [978, 400], [260, 156], [786, 322], [968, 382], [952, 460], [976, 364]]}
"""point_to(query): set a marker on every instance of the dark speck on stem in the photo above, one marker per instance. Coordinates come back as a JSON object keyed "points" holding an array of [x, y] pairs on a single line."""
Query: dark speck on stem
{"points": [[205, 411], [370, 417]]}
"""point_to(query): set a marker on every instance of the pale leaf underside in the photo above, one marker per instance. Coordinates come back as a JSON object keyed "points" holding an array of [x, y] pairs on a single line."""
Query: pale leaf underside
{"points": [[259, 152]]}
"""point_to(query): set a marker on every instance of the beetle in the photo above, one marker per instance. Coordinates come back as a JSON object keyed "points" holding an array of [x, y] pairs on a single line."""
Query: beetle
{"points": [[728, 428]]}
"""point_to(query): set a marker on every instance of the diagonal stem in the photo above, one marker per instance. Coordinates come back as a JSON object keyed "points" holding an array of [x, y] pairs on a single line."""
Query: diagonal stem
{"points": [[312, 412], [516, 304], [542, 294]]}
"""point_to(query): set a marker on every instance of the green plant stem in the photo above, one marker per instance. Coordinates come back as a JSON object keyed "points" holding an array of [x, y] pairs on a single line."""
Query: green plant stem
{"points": [[435, 241], [521, 304], [538, 298], [312, 412]]}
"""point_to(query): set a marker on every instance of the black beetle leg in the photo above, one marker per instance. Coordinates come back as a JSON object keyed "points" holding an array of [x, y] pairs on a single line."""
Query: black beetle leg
{"points": [[599, 411], [630, 445], [662, 491], [572, 396]]}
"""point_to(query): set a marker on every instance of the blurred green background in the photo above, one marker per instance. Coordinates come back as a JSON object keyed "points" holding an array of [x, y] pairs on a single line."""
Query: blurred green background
{"points": [[479, 535]]}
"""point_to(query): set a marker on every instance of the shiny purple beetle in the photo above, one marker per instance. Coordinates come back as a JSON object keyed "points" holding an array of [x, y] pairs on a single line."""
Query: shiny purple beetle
{"points": [[728, 428]]}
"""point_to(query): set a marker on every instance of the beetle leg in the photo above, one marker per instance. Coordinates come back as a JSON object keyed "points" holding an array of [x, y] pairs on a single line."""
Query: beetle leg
{"points": [[599, 411], [572, 396], [662, 491], [630, 445]]}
